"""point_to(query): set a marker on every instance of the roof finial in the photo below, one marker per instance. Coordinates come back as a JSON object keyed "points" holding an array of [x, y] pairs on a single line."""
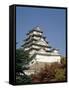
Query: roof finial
{"points": [[37, 28]]}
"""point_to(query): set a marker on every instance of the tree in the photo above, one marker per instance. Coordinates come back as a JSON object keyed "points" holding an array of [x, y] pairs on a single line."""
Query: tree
{"points": [[60, 74], [23, 79], [45, 75], [63, 61], [50, 73], [22, 61]]}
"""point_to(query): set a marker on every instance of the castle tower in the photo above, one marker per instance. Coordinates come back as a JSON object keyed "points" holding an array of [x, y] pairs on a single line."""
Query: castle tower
{"points": [[35, 42], [38, 47]]}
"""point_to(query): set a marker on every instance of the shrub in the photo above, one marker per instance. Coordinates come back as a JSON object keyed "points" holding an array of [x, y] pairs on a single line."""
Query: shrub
{"points": [[51, 73], [60, 74]]}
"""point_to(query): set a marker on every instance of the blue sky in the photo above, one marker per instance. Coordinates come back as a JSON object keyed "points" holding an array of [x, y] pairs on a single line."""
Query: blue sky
{"points": [[51, 21]]}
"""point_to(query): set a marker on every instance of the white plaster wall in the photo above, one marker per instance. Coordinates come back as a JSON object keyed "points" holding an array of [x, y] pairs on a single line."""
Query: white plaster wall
{"points": [[32, 52], [41, 51], [33, 46], [36, 37], [55, 51], [26, 49], [34, 32], [49, 59], [42, 42], [37, 33]]}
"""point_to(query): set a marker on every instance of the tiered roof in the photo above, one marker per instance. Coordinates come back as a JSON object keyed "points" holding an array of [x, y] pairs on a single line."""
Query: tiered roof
{"points": [[37, 29], [33, 39]]}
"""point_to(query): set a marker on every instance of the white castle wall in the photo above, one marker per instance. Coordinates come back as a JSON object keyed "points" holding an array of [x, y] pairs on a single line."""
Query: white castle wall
{"points": [[42, 42], [34, 32], [48, 59], [32, 52]]}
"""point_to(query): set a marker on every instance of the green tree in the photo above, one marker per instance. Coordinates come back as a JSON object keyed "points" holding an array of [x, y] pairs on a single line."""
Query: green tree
{"points": [[63, 61], [22, 61], [60, 74]]}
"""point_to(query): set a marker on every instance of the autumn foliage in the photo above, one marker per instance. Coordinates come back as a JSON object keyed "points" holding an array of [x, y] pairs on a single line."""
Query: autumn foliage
{"points": [[51, 73]]}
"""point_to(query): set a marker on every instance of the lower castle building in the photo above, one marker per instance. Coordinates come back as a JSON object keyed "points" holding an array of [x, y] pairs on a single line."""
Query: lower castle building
{"points": [[40, 50]]}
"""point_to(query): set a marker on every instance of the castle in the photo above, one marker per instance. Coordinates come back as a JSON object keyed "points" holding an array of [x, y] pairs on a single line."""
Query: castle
{"points": [[38, 47]]}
